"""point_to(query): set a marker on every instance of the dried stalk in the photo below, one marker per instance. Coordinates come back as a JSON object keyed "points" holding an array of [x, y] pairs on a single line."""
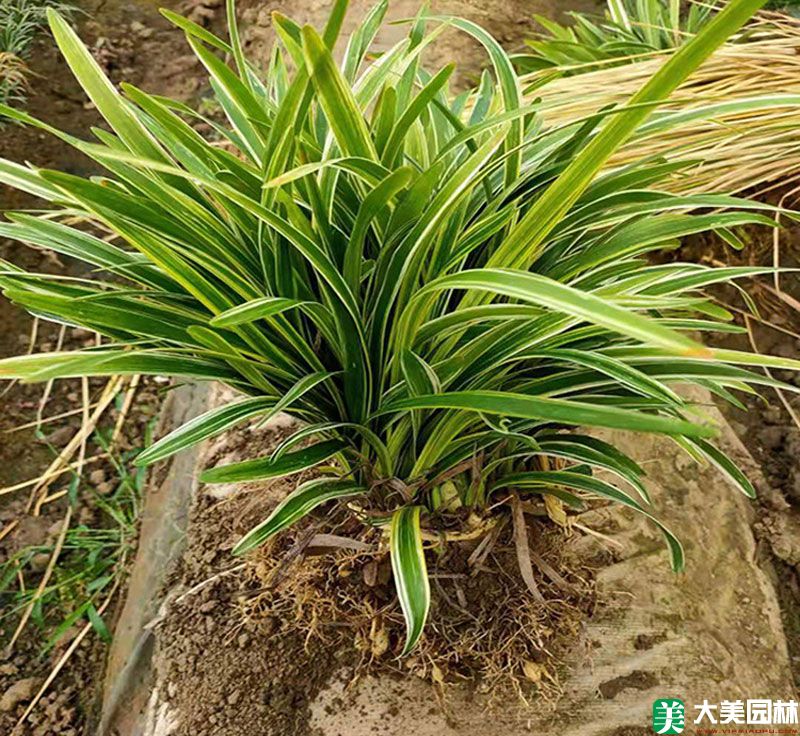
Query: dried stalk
{"points": [[756, 150]]}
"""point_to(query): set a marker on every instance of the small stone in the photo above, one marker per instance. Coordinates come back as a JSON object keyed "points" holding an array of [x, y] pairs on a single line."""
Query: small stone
{"points": [[243, 640], [140, 29], [20, 692], [105, 488], [39, 562], [86, 516], [771, 437], [792, 442], [61, 437], [208, 606], [201, 15], [33, 531], [532, 670], [234, 697], [370, 573], [96, 477], [739, 429], [379, 641]]}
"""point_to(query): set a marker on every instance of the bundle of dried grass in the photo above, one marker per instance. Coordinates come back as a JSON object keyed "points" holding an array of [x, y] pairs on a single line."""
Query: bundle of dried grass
{"points": [[13, 77], [737, 118]]}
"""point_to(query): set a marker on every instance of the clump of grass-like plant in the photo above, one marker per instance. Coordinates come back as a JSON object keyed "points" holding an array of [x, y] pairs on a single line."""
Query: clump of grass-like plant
{"points": [[629, 30], [21, 21], [442, 291]]}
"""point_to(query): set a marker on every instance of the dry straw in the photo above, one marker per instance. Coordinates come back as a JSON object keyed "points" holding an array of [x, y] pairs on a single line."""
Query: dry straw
{"points": [[742, 105]]}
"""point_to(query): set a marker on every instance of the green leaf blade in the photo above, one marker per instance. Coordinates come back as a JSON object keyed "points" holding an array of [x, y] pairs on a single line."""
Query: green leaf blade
{"points": [[294, 507], [410, 572], [552, 410], [207, 425], [268, 467]]}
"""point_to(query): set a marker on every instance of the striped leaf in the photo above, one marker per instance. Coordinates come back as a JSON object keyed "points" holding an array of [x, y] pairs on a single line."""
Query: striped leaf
{"points": [[270, 467], [410, 572], [300, 502], [212, 423]]}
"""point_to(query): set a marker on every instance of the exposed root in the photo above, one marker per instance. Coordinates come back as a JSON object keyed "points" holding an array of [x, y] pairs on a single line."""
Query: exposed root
{"points": [[484, 626]]}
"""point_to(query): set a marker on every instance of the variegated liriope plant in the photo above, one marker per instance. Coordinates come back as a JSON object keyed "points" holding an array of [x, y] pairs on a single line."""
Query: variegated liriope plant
{"points": [[628, 31], [442, 291]]}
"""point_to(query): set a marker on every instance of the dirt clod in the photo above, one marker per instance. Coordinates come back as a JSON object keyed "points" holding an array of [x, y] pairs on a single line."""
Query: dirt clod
{"points": [[643, 642], [61, 436], [20, 692], [638, 680], [38, 563], [96, 477]]}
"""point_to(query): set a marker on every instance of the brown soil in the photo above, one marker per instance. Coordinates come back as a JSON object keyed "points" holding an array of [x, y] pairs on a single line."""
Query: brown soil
{"points": [[129, 40], [765, 424], [510, 22], [223, 664]]}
